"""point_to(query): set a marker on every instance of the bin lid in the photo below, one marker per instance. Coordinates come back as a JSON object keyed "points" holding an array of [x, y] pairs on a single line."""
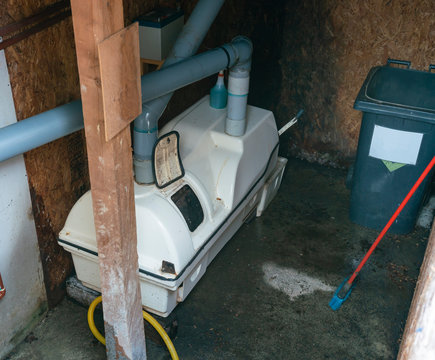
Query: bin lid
{"points": [[405, 93], [159, 17]]}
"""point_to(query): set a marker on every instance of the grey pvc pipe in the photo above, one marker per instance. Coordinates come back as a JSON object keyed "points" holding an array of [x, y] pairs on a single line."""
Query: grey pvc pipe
{"points": [[61, 121], [146, 125], [53, 124], [185, 72], [235, 55], [40, 129], [194, 31], [238, 89]]}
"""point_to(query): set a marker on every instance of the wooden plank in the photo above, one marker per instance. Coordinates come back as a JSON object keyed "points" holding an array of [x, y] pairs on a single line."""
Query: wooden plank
{"points": [[157, 64], [120, 79], [111, 175], [419, 336]]}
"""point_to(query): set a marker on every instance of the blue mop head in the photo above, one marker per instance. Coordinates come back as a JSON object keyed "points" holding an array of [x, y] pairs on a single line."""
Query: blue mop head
{"points": [[341, 295]]}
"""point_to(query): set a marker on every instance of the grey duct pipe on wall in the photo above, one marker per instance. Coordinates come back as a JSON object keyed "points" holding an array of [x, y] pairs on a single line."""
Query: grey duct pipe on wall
{"points": [[146, 125], [40, 129], [234, 55], [66, 119], [53, 124]]}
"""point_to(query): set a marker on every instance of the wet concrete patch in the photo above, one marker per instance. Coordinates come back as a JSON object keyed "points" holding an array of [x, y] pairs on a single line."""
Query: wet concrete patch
{"points": [[292, 282]]}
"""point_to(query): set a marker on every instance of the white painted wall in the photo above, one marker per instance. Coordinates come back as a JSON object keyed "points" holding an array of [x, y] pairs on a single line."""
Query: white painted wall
{"points": [[20, 265]]}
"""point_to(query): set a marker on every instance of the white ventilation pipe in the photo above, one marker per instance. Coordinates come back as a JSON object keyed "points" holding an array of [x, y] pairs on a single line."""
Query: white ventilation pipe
{"points": [[40, 129]]}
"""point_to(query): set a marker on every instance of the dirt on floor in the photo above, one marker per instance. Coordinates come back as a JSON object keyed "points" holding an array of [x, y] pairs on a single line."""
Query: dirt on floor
{"points": [[266, 295]]}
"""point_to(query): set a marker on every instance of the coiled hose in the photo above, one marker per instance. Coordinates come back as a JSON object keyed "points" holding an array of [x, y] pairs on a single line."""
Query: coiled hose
{"points": [[145, 315]]}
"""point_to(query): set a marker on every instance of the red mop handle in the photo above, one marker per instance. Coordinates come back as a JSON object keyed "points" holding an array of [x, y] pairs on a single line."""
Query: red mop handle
{"points": [[395, 215]]}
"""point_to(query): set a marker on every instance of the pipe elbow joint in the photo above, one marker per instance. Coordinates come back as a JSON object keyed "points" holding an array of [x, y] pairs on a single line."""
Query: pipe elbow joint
{"points": [[147, 120], [243, 46]]}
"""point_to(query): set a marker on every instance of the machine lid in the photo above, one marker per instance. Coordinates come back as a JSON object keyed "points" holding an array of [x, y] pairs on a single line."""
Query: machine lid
{"points": [[167, 165], [402, 87], [160, 17], [404, 93]]}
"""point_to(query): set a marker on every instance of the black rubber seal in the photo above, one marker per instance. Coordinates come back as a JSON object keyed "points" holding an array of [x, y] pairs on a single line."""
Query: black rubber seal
{"points": [[179, 160], [228, 56]]}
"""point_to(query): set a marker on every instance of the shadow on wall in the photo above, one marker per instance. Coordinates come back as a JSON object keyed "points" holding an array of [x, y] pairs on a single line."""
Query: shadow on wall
{"points": [[292, 64], [309, 81], [328, 49], [315, 55]]}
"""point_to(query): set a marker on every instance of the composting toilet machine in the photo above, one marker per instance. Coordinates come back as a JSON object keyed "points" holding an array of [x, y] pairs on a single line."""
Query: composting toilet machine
{"points": [[207, 184]]}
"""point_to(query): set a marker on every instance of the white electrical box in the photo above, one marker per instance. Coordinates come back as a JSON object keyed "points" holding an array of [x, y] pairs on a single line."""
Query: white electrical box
{"points": [[158, 31]]}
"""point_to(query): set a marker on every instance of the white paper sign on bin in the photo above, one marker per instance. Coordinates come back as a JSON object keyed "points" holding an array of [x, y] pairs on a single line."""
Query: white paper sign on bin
{"points": [[395, 145]]}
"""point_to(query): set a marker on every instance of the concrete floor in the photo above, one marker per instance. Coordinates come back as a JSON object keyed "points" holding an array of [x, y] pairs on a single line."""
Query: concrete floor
{"points": [[266, 294]]}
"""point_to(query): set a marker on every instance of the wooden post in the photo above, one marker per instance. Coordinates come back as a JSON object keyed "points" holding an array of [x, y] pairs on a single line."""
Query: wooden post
{"points": [[111, 175], [419, 336]]}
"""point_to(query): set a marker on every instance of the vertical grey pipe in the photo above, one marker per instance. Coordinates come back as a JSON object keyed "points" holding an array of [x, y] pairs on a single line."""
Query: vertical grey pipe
{"points": [[238, 89], [146, 124]]}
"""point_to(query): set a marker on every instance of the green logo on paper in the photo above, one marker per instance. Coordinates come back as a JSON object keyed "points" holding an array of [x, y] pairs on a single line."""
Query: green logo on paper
{"points": [[392, 166]]}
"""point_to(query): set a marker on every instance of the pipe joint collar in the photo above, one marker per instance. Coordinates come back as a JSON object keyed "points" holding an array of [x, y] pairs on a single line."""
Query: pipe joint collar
{"points": [[244, 48], [143, 171], [147, 120]]}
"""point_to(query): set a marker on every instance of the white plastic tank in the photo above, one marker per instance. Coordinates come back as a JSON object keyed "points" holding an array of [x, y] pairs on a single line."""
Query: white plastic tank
{"points": [[182, 227]]}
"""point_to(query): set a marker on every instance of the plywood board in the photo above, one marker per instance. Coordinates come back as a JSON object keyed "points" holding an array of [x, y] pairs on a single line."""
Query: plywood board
{"points": [[120, 79], [57, 172]]}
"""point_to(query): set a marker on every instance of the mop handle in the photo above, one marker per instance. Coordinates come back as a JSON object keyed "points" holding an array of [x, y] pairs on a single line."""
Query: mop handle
{"points": [[395, 215]]}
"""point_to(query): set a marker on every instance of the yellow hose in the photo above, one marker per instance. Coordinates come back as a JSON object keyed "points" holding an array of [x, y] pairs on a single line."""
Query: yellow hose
{"points": [[146, 316], [91, 322]]}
